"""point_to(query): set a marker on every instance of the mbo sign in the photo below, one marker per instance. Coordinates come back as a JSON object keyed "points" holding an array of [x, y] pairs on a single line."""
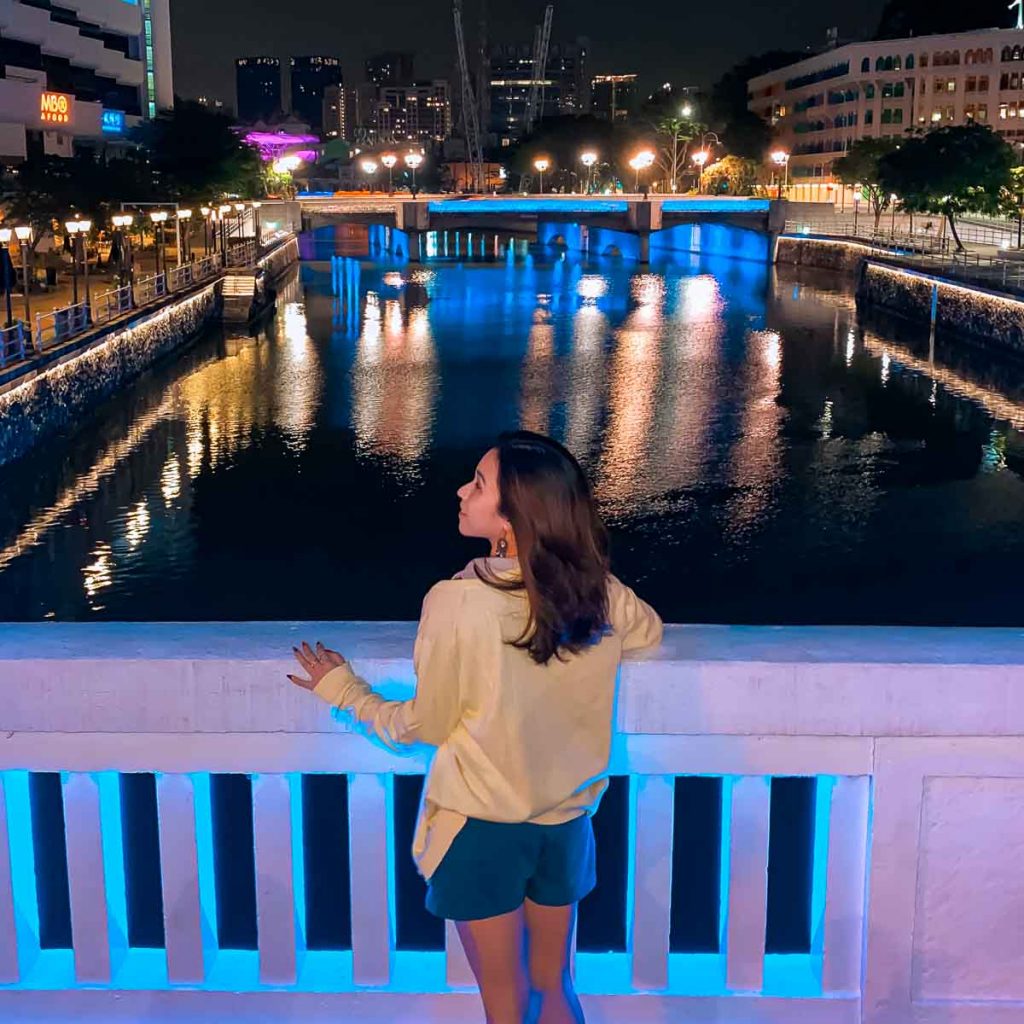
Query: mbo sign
{"points": [[56, 107]]}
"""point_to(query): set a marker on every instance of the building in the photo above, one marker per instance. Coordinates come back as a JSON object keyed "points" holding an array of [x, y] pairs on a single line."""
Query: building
{"points": [[421, 111], [341, 109], [823, 104], [390, 69], [78, 78], [258, 88], [310, 78], [565, 88], [613, 97]]}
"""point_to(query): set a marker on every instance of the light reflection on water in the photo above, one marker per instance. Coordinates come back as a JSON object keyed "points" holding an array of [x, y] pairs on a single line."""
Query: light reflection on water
{"points": [[759, 453]]}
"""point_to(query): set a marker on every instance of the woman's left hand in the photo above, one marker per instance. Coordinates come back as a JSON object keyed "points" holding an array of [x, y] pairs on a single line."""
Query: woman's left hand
{"points": [[317, 661]]}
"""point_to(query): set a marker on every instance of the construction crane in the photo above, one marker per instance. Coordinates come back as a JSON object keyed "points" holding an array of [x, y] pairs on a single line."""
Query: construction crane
{"points": [[470, 112], [541, 45]]}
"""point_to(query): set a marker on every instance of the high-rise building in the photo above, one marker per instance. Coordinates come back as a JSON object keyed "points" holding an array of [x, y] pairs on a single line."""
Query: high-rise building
{"points": [[340, 112], [310, 77], [390, 69], [82, 77], [421, 111], [823, 104], [613, 97], [564, 89], [258, 88]]}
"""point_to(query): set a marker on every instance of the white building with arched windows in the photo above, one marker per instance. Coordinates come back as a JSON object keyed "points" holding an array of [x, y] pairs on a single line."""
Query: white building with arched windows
{"points": [[822, 104]]}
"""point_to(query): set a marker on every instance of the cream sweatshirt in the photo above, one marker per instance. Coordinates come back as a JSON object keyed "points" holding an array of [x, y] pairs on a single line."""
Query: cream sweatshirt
{"points": [[516, 741]]}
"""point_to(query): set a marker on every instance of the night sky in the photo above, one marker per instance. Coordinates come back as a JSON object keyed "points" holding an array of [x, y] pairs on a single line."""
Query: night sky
{"points": [[662, 40]]}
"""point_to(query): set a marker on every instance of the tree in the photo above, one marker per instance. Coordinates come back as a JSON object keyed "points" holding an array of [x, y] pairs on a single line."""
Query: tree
{"points": [[1011, 202], [860, 167], [675, 133], [50, 189], [732, 175], [949, 171], [195, 153]]}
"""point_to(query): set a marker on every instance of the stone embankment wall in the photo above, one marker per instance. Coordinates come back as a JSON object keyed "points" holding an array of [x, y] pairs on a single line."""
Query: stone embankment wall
{"points": [[883, 283]]}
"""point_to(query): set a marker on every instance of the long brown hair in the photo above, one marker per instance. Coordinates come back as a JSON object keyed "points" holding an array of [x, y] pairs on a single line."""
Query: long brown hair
{"points": [[563, 545]]}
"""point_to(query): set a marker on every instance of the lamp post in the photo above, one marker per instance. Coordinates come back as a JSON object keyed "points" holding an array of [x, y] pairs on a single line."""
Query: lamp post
{"points": [[413, 161], [256, 225], [6, 234], [206, 212], [588, 159], [223, 212], [541, 164], [73, 227], [640, 162], [893, 200], [122, 224], [239, 214], [700, 158], [24, 234], [158, 217], [184, 216], [369, 168], [856, 207], [389, 160], [781, 159]]}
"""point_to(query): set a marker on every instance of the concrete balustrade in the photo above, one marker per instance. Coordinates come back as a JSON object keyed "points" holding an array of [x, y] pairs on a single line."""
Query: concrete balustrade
{"points": [[911, 741]]}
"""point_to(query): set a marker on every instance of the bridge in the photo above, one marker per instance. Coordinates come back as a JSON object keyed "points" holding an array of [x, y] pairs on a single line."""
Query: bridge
{"points": [[630, 225]]}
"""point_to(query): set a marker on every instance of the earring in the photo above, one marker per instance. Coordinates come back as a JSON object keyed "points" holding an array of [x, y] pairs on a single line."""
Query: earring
{"points": [[501, 550]]}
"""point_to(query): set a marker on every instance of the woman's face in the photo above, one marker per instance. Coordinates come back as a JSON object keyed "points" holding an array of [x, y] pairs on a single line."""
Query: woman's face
{"points": [[478, 502]]}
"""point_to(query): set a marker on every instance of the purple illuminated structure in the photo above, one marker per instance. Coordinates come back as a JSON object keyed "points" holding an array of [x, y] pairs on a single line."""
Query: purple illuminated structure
{"points": [[274, 145]]}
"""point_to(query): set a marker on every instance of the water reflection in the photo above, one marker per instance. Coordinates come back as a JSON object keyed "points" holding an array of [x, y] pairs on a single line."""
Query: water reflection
{"points": [[746, 427]]}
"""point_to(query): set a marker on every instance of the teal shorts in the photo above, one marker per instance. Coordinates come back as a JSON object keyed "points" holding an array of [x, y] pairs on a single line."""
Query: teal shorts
{"points": [[491, 867]]}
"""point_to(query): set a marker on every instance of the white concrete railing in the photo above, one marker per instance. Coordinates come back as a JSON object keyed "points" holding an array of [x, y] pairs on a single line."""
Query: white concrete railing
{"points": [[916, 891]]}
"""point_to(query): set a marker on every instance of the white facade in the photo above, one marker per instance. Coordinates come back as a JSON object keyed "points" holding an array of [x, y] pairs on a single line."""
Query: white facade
{"points": [[823, 104], [86, 71]]}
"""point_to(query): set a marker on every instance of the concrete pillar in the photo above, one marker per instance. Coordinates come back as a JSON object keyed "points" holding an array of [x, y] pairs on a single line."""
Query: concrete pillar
{"points": [[415, 244], [645, 247]]}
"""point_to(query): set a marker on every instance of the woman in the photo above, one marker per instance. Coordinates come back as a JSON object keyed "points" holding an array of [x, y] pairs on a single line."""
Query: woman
{"points": [[516, 662]]}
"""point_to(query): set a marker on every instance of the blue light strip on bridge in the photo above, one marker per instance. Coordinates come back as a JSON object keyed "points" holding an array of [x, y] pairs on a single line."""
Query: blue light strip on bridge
{"points": [[724, 205], [578, 205]]}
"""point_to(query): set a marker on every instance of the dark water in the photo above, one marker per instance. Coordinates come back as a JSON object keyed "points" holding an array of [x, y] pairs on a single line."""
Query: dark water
{"points": [[760, 453]]}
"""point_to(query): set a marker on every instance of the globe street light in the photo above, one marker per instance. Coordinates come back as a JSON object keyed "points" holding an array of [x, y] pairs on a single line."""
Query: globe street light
{"points": [[687, 110], [24, 235], [122, 223], [700, 158], [77, 230], [781, 159], [541, 164], [412, 161], [640, 162], [389, 160], [369, 168], [183, 219], [588, 160], [158, 217]]}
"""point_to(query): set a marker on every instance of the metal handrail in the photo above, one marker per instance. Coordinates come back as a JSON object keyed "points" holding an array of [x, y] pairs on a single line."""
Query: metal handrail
{"points": [[61, 324], [13, 341], [110, 304]]}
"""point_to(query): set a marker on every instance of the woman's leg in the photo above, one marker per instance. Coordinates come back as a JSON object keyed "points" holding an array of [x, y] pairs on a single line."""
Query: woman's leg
{"points": [[495, 950], [548, 938]]}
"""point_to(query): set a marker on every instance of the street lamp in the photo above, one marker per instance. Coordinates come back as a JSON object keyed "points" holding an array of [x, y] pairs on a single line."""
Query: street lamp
{"points": [[700, 158], [122, 224], [640, 162], [686, 110], [78, 229], [893, 200], [158, 217], [256, 223], [6, 234], [781, 159], [588, 160], [541, 164], [223, 212], [183, 219], [206, 211], [412, 161], [389, 160], [369, 169], [24, 235]]}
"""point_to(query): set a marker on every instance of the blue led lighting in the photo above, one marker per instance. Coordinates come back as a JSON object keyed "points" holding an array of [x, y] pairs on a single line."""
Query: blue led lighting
{"points": [[500, 206], [725, 205], [112, 122]]}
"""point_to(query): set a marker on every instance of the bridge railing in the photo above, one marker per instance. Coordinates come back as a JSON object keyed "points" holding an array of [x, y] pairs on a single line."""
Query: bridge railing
{"points": [[797, 828]]}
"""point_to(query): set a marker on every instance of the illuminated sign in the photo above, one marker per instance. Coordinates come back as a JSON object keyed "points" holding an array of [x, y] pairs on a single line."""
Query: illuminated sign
{"points": [[55, 107], [113, 122]]}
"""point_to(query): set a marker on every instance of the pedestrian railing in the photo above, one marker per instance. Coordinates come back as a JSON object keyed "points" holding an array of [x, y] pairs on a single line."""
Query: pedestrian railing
{"points": [[243, 254], [108, 305], [61, 324], [14, 342]]}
